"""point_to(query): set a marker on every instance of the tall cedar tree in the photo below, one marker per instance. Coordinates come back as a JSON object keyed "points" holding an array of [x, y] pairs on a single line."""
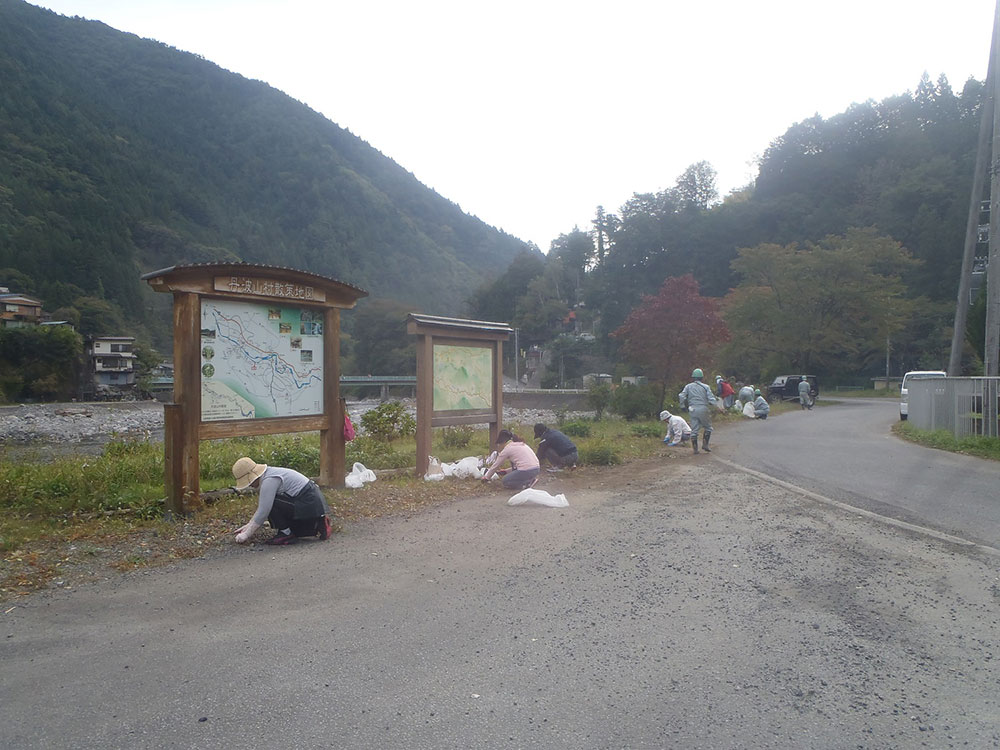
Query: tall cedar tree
{"points": [[672, 332]]}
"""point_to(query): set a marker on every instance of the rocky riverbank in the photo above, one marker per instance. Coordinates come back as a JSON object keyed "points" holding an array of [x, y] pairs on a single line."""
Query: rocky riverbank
{"points": [[79, 426]]}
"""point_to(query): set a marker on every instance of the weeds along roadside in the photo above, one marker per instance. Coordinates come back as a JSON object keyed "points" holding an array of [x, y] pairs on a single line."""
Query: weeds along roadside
{"points": [[122, 488]]}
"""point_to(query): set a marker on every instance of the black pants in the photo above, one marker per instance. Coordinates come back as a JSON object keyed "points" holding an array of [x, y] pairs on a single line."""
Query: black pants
{"points": [[302, 513], [548, 454]]}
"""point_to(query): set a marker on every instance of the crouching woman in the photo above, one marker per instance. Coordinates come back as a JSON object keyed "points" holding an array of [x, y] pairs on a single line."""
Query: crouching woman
{"points": [[290, 501], [523, 462]]}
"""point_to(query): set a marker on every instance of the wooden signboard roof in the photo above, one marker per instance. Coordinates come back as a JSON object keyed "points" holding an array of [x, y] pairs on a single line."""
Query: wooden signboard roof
{"points": [[242, 280]]}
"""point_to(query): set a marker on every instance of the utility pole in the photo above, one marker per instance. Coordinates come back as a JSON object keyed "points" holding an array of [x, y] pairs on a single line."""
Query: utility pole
{"points": [[993, 270], [972, 223]]}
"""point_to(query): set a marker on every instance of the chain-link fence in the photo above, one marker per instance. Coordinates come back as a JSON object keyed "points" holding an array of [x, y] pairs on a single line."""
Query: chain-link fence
{"points": [[954, 404]]}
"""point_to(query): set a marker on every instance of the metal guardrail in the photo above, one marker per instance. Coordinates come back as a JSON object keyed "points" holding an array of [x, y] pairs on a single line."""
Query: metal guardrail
{"points": [[954, 404]]}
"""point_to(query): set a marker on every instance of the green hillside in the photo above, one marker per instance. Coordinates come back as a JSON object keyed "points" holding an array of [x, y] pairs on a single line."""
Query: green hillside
{"points": [[120, 155]]}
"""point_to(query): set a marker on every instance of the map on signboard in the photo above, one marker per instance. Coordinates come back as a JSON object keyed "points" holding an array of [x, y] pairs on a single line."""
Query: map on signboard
{"points": [[463, 377], [260, 360]]}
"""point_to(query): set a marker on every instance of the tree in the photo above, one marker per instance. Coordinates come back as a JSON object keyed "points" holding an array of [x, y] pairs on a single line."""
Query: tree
{"points": [[381, 344], [696, 187], [39, 362], [827, 307], [672, 332]]}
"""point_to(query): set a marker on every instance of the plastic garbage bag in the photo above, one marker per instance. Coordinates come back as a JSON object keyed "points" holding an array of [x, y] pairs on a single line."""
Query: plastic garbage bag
{"points": [[358, 476], [435, 471], [465, 468], [748, 410], [532, 496]]}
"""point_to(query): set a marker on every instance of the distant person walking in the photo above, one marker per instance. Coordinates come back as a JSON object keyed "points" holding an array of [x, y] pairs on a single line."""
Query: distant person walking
{"points": [[290, 501], [697, 398], [804, 398], [523, 462], [556, 448]]}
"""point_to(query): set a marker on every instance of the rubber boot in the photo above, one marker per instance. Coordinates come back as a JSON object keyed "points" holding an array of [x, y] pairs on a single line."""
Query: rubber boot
{"points": [[694, 444], [708, 436]]}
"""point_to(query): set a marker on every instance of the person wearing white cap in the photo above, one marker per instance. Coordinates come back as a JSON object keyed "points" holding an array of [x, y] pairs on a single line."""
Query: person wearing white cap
{"points": [[678, 430], [290, 501]]}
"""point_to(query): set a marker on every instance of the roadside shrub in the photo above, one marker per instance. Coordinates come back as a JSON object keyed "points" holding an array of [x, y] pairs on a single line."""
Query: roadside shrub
{"points": [[599, 454], [295, 453], [388, 421], [456, 437], [576, 429], [635, 402], [599, 398], [646, 430], [376, 454]]}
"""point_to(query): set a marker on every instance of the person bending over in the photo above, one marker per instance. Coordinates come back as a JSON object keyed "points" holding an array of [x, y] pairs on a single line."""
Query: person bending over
{"points": [[555, 448], [290, 501], [523, 462], [678, 430], [760, 406]]}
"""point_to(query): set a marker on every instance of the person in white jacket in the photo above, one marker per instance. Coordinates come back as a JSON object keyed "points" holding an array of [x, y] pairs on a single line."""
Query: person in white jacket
{"points": [[678, 430], [290, 501]]}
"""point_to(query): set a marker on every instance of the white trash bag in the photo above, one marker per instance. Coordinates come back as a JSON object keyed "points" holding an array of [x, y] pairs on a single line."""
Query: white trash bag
{"points": [[748, 410], [538, 497], [358, 476], [435, 471], [465, 468]]}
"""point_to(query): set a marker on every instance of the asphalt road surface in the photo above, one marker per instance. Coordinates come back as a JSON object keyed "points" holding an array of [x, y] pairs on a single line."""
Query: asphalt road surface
{"points": [[847, 452], [680, 603]]}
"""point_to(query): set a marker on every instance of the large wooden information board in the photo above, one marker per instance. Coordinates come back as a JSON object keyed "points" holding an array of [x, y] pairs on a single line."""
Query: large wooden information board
{"points": [[256, 352]]}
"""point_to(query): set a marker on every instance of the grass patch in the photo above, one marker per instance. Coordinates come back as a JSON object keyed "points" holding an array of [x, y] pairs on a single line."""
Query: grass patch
{"points": [[972, 445], [65, 519]]}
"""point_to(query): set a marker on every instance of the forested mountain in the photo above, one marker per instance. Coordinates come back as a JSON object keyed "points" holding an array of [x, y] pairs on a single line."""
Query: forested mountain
{"points": [[900, 169], [120, 155]]}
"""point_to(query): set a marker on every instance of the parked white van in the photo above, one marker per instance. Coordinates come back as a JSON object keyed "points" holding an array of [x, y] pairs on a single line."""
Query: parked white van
{"points": [[913, 375]]}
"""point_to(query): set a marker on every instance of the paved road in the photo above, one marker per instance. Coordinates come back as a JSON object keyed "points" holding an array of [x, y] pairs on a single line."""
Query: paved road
{"points": [[847, 452], [679, 603]]}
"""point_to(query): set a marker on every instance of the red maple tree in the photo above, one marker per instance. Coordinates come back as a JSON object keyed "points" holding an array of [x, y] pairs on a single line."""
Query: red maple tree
{"points": [[672, 332]]}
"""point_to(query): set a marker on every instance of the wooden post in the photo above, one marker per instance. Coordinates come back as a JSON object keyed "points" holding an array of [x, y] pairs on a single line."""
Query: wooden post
{"points": [[187, 392], [425, 401], [332, 448], [497, 390], [173, 481]]}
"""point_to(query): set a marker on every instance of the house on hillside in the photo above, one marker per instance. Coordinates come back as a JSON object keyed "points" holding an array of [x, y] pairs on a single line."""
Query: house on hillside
{"points": [[111, 366], [19, 310]]}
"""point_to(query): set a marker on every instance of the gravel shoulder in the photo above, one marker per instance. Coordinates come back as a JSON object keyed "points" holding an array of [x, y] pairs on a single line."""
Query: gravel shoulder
{"points": [[677, 602]]}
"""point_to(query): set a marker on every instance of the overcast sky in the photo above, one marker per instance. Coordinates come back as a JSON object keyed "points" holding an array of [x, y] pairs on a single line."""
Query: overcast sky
{"points": [[531, 113]]}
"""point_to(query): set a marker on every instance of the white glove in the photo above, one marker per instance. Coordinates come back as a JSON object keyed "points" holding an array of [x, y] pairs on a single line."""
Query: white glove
{"points": [[243, 533]]}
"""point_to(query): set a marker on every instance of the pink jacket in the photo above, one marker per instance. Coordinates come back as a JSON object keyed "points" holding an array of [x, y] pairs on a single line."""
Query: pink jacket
{"points": [[520, 456]]}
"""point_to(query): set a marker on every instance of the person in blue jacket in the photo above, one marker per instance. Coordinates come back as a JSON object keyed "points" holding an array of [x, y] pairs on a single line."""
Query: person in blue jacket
{"points": [[555, 447]]}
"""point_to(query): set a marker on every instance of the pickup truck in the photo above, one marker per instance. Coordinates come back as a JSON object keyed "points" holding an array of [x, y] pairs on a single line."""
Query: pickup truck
{"points": [[786, 388]]}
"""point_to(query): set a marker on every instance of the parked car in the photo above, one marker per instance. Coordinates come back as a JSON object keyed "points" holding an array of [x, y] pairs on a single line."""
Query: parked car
{"points": [[786, 388], [904, 407]]}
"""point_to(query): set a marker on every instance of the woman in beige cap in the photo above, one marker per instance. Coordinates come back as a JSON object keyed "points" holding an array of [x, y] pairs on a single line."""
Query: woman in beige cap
{"points": [[290, 501]]}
